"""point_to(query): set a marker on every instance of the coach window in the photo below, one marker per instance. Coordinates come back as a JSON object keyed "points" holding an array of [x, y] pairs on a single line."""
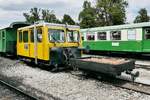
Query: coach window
{"points": [[131, 34], [25, 36], [147, 33], [90, 36], [101, 35], [116, 35], [39, 35], [20, 36]]}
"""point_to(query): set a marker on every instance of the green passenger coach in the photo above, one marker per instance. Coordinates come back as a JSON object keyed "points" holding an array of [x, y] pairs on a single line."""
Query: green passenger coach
{"points": [[123, 38], [8, 37]]}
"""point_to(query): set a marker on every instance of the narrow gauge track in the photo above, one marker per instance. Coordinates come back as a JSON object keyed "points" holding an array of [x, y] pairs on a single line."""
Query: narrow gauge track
{"points": [[134, 86], [117, 82], [122, 83], [30, 97]]}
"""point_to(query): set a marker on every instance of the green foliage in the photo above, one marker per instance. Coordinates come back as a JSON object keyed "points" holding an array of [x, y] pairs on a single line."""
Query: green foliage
{"points": [[87, 16], [111, 12], [68, 20], [36, 14], [33, 16], [142, 17], [105, 13], [49, 16]]}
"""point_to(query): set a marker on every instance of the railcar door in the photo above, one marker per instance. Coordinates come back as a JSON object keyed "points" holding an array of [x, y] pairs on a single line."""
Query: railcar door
{"points": [[146, 40], [26, 43], [0, 41], [3, 41], [39, 49]]}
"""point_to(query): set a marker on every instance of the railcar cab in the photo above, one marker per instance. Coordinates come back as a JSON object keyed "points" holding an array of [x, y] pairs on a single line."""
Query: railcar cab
{"points": [[48, 42]]}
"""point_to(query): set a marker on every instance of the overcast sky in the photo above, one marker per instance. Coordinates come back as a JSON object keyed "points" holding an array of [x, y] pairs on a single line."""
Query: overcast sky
{"points": [[12, 10]]}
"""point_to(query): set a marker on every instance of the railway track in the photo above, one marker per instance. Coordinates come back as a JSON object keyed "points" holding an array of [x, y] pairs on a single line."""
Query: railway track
{"points": [[134, 86], [121, 83], [18, 91], [117, 82]]}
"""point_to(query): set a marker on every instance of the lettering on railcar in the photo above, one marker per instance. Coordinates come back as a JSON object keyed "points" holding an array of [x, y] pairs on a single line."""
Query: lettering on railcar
{"points": [[115, 44]]}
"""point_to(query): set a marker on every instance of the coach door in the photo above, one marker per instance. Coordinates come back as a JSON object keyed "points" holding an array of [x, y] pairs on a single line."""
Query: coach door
{"points": [[146, 40]]}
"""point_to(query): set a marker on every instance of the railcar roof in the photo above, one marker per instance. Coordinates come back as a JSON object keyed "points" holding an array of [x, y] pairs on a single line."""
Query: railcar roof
{"points": [[126, 26], [51, 25], [12, 25]]}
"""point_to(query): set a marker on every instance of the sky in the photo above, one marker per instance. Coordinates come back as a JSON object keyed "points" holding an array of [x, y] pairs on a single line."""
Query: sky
{"points": [[12, 10]]}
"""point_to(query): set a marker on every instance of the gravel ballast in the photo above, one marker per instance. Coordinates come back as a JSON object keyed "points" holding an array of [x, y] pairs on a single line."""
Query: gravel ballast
{"points": [[64, 85]]}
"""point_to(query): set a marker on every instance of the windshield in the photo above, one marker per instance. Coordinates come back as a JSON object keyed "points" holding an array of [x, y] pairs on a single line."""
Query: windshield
{"points": [[73, 36], [56, 35]]}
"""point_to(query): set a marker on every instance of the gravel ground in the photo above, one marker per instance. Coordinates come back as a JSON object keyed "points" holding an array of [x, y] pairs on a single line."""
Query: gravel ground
{"points": [[7, 94], [64, 85]]}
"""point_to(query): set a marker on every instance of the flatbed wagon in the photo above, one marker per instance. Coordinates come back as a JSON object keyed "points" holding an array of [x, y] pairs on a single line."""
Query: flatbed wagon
{"points": [[110, 66]]}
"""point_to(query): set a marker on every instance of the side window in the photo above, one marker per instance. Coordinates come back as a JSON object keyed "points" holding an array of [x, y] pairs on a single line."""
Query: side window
{"points": [[101, 35], [147, 33], [39, 35], [0, 34], [82, 38], [32, 35], [90, 36], [115, 35], [20, 36], [25, 36], [131, 34], [3, 34]]}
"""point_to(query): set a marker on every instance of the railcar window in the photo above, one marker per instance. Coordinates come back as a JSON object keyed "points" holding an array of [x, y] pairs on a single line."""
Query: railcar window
{"points": [[115, 35], [25, 36], [101, 35], [131, 34], [32, 35], [82, 38], [3, 34], [72, 36], [147, 33], [56, 35], [20, 36], [39, 35]]}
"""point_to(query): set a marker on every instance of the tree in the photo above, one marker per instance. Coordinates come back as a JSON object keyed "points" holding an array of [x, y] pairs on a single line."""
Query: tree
{"points": [[87, 16], [68, 20], [111, 12], [142, 17], [36, 14], [33, 16], [49, 16]]}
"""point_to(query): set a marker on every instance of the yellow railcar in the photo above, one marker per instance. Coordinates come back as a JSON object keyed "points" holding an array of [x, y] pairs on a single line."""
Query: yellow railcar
{"points": [[48, 42]]}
